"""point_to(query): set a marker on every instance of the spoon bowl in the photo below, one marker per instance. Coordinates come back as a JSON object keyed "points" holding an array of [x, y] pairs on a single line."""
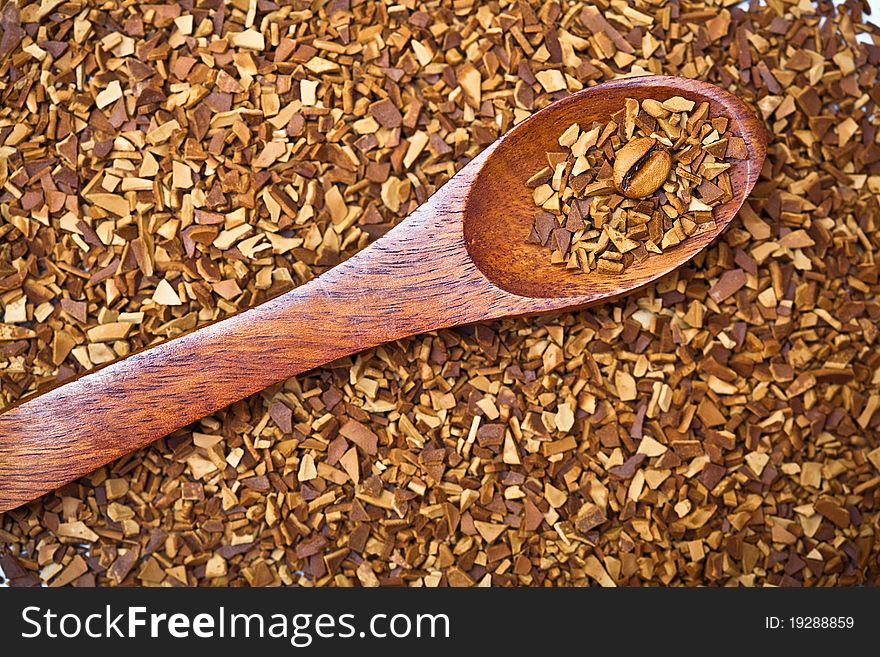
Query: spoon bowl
{"points": [[495, 232], [459, 258]]}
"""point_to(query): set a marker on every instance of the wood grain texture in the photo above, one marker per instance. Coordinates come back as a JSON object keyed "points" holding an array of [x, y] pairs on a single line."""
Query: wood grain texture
{"points": [[460, 258]]}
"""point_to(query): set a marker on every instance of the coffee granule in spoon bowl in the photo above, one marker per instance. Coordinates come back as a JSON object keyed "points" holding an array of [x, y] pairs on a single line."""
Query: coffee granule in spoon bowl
{"points": [[641, 183]]}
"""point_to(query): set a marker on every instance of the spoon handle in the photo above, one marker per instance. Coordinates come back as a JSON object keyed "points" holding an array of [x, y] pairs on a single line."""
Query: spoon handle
{"points": [[417, 278], [54, 437]]}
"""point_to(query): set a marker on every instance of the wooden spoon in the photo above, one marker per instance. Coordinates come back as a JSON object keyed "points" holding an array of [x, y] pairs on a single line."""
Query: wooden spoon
{"points": [[460, 258]]}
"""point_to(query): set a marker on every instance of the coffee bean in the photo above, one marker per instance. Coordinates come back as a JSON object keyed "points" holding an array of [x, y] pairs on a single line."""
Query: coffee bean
{"points": [[641, 167]]}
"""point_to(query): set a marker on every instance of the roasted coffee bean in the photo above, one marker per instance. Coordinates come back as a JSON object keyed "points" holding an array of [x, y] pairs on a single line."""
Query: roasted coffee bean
{"points": [[641, 167]]}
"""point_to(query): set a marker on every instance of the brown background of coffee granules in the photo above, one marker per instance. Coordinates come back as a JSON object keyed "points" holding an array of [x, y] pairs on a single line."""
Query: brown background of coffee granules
{"points": [[715, 429]]}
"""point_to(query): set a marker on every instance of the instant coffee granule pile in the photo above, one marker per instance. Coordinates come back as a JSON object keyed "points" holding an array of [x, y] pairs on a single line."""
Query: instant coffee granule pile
{"points": [[163, 165], [640, 183]]}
